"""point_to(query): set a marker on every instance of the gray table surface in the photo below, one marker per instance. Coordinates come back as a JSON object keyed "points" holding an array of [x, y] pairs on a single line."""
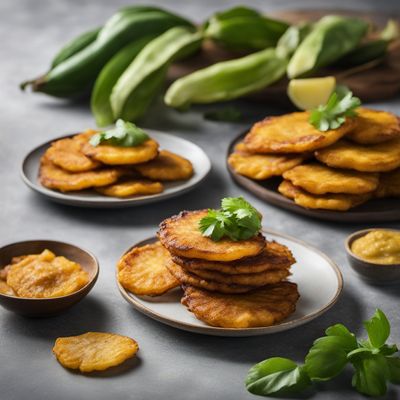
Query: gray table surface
{"points": [[172, 364]]}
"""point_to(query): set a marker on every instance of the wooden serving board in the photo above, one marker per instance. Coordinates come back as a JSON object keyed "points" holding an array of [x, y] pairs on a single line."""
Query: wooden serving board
{"points": [[371, 82]]}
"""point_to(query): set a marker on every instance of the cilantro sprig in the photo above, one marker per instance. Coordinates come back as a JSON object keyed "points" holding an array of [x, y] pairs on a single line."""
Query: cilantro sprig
{"points": [[125, 134], [333, 114], [237, 219], [372, 359]]}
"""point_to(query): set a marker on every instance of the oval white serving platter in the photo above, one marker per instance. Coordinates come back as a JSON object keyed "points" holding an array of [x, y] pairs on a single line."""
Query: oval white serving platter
{"points": [[90, 198], [319, 283]]}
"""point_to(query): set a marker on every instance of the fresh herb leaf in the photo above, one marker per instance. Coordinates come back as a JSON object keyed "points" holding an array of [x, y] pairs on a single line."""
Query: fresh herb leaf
{"points": [[333, 114], [237, 220], [276, 376], [125, 134], [228, 114], [394, 369], [378, 329]]}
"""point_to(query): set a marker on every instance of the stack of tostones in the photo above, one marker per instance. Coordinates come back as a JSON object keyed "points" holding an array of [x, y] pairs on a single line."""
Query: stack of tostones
{"points": [[73, 164], [230, 284], [334, 170]]}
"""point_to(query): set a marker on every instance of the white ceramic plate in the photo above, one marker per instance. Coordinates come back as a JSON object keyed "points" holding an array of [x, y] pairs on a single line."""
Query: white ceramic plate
{"points": [[90, 198], [312, 268]]}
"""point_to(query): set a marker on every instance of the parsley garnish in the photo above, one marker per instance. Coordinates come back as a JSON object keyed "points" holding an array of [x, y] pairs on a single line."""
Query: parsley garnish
{"points": [[125, 134], [372, 359], [237, 220], [333, 114]]}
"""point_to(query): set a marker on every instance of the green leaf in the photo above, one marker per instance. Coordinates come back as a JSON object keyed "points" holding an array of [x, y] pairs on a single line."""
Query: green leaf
{"points": [[394, 369], [378, 328], [125, 134], [371, 372], [333, 114], [237, 220], [328, 356], [276, 376]]}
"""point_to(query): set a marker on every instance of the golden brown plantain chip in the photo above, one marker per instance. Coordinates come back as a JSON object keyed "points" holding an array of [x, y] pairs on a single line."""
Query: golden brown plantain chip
{"points": [[67, 154], [94, 351], [374, 126], [389, 184], [6, 289], [167, 166], [331, 201], [262, 166], [320, 179], [189, 278], [181, 235], [53, 177], [45, 275], [4, 271], [292, 133], [118, 155], [251, 279], [274, 256], [261, 307], [143, 270], [373, 158], [131, 187]]}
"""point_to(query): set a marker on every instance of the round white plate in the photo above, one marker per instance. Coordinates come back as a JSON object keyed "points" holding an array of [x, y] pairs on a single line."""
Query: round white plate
{"points": [[90, 198], [312, 268]]}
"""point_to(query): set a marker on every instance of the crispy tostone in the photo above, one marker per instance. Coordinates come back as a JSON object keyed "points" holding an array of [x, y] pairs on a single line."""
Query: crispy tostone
{"points": [[54, 177], [118, 155], [181, 235], [373, 158], [131, 187], [320, 179], [6, 289], [332, 201], [188, 278], [143, 270], [389, 184], [167, 166], [67, 154], [274, 256], [94, 351], [374, 126], [45, 275], [292, 133], [261, 307]]}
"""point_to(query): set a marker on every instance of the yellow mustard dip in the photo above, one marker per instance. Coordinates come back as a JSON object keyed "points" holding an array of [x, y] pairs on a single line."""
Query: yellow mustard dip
{"points": [[378, 246]]}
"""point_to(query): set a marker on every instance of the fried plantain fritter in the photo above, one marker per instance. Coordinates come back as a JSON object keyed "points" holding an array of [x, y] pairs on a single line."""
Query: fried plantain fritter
{"points": [[274, 256], [94, 351], [292, 133], [45, 275], [131, 187], [53, 177], [143, 270], [374, 126], [262, 166], [332, 201], [167, 166], [6, 289], [181, 235], [389, 184], [261, 307], [67, 154], [320, 179], [380, 157], [189, 278], [117, 155]]}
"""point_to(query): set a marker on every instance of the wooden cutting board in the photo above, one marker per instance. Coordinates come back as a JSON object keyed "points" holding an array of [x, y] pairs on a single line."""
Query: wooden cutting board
{"points": [[371, 82]]}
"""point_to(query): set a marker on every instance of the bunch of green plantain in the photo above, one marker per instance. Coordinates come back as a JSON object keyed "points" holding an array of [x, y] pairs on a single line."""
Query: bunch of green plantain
{"points": [[125, 62]]}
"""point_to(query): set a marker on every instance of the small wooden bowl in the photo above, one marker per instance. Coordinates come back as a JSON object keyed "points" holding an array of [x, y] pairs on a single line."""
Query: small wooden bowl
{"points": [[49, 306], [380, 274]]}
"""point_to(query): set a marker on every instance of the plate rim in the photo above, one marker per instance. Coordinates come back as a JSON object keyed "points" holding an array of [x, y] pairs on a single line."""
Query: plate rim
{"points": [[219, 331], [280, 201], [62, 198]]}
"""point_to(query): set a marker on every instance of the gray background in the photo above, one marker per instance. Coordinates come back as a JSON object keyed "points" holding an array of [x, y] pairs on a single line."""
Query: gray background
{"points": [[172, 364]]}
